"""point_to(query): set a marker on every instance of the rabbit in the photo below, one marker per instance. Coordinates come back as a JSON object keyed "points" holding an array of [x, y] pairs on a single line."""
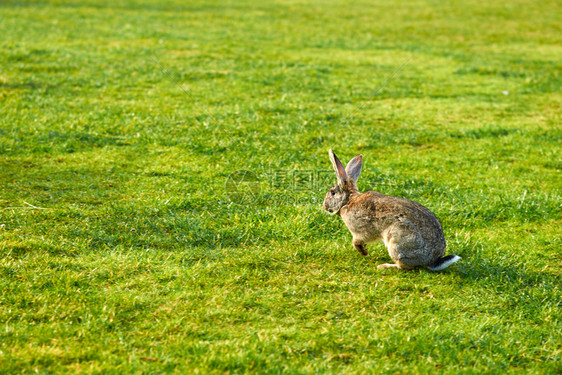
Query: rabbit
{"points": [[411, 233]]}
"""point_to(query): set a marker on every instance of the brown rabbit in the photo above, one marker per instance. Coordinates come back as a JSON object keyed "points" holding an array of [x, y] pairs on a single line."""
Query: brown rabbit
{"points": [[411, 233]]}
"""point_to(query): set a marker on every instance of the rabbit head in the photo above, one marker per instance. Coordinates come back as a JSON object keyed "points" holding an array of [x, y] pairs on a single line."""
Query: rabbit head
{"points": [[346, 185]]}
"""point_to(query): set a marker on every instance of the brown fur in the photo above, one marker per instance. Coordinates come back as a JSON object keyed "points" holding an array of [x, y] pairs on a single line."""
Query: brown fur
{"points": [[412, 234]]}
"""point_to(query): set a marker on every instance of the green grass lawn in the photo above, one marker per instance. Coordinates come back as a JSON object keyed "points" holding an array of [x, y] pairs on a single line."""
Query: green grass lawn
{"points": [[129, 244]]}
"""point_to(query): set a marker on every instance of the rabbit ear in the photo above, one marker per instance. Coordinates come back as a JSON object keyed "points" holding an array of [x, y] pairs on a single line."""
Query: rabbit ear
{"points": [[338, 167], [353, 168]]}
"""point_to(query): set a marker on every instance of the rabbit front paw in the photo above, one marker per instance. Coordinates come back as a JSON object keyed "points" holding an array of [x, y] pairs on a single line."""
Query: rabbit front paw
{"points": [[361, 247]]}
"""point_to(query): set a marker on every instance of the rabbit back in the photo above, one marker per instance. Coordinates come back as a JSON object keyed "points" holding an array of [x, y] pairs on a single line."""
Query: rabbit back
{"points": [[409, 230]]}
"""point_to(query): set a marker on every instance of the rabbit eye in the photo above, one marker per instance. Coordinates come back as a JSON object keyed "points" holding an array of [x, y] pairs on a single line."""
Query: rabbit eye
{"points": [[332, 192]]}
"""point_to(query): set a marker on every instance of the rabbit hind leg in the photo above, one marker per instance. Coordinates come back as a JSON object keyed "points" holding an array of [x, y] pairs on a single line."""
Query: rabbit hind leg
{"points": [[407, 253], [399, 265], [386, 266]]}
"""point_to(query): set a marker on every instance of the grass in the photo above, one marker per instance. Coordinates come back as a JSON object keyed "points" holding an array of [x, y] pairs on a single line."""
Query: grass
{"points": [[125, 247]]}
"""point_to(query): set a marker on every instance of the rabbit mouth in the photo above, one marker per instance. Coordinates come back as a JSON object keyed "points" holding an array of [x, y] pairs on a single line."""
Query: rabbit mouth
{"points": [[331, 211]]}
